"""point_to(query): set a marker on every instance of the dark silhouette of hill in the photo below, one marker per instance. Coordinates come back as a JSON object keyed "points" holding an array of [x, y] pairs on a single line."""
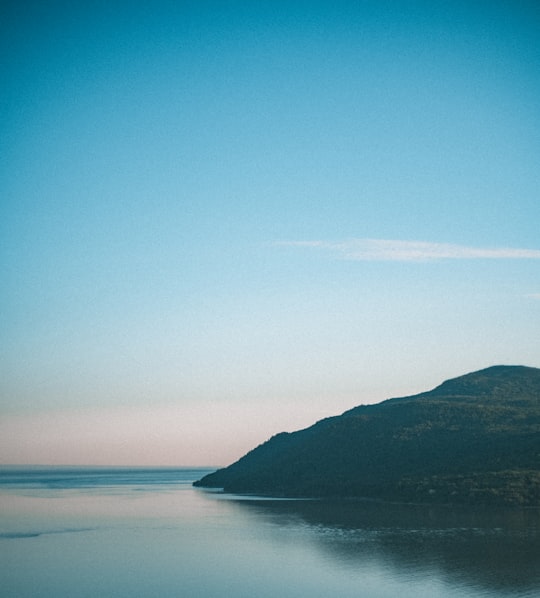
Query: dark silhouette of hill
{"points": [[473, 439]]}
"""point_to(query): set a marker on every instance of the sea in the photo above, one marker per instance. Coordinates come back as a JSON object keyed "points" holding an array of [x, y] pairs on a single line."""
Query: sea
{"points": [[145, 532]]}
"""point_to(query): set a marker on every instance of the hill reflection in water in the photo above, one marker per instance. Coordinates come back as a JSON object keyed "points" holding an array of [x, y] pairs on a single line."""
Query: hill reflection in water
{"points": [[494, 550]]}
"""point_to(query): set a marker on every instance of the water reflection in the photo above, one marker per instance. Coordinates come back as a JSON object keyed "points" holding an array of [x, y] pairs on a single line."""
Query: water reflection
{"points": [[492, 550], [139, 533]]}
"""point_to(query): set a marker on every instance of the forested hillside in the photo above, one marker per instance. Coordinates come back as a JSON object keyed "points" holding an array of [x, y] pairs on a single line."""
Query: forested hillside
{"points": [[473, 439]]}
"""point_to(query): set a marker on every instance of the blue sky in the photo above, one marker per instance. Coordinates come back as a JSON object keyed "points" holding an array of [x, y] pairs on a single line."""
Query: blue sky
{"points": [[221, 220]]}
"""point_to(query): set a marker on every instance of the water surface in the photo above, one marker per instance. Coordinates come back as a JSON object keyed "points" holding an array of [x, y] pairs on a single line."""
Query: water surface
{"points": [[147, 532]]}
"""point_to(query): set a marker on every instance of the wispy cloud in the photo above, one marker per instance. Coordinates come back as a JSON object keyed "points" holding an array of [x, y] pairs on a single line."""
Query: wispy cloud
{"points": [[413, 251]]}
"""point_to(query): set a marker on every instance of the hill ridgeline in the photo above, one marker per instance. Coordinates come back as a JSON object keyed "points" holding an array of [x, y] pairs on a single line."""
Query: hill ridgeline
{"points": [[472, 440]]}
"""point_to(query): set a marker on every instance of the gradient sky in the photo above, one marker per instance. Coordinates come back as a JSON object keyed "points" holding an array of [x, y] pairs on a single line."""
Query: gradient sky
{"points": [[221, 220]]}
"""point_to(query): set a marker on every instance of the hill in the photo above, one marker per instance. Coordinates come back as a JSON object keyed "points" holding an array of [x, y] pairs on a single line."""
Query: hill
{"points": [[473, 439]]}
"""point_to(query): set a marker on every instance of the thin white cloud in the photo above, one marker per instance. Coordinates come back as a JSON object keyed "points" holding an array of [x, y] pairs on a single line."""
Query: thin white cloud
{"points": [[413, 251], [533, 296]]}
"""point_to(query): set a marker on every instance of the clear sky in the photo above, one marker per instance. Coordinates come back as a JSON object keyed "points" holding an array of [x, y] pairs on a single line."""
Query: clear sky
{"points": [[222, 220]]}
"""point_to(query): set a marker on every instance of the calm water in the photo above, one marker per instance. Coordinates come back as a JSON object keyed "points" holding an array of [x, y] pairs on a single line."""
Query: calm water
{"points": [[136, 532]]}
